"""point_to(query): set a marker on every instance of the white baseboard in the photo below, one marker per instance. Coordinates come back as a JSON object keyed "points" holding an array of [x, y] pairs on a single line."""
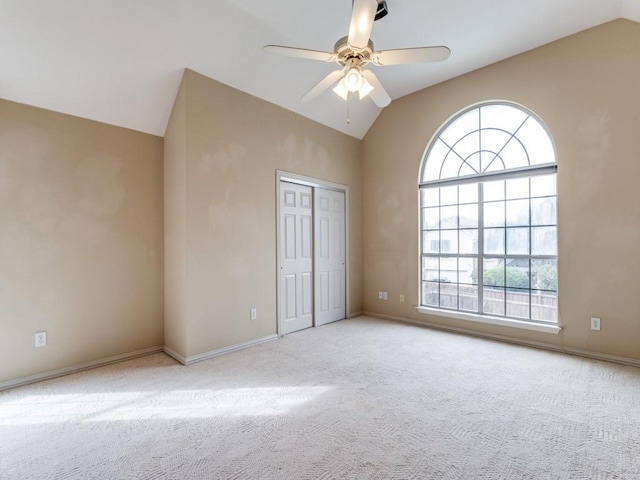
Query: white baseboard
{"points": [[175, 355], [18, 382], [633, 362], [355, 314], [216, 353]]}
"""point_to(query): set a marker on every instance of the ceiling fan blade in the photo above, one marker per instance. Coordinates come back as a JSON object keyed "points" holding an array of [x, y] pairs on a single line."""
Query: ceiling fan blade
{"points": [[323, 85], [362, 16], [300, 53], [379, 95], [410, 55]]}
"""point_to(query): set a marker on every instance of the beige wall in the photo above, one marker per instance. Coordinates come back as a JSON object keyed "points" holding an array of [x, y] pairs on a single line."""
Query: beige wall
{"points": [[585, 88], [175, 226], [81, 207], [80, 240], [234, 145]]}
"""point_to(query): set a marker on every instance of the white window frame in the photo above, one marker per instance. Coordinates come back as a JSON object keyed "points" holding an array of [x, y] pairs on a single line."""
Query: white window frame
{"points": [[528, 171]]}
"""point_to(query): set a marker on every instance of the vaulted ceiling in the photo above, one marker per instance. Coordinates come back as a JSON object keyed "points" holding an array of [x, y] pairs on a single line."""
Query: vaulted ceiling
{"points": [[121, 61]]}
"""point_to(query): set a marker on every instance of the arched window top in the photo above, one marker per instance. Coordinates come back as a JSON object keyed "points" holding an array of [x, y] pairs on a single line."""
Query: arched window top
{"points": [[486, 138]]}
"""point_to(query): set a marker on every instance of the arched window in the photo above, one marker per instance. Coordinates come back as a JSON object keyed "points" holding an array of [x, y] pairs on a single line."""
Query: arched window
{"points": [[488, 217]]}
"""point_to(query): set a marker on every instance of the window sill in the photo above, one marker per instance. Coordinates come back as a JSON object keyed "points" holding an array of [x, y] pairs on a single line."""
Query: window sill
{"points": [[501, 321]]}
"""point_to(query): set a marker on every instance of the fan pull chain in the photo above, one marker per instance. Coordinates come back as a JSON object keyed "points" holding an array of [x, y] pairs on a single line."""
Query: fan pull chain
{"points": [[348, 119]]}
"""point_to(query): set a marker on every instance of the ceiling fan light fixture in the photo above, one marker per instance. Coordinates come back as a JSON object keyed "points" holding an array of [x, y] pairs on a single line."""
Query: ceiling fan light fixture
{"points": [[353, 79], [341, 90], [355, 51], [365, 89]]}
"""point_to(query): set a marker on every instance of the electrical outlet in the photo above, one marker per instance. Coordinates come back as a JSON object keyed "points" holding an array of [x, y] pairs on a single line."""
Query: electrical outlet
{"points": [[254, 314], [595, 323], [380, 295], [385, 296], [402, 298], [41, 339]]}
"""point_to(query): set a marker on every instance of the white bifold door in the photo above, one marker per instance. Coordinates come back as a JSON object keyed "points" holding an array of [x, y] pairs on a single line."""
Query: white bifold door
{"points": [[329, 268], [312, 256], [296, 257]]}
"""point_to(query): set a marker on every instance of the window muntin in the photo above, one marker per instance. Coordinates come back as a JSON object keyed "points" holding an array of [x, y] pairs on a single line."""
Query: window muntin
{"points": [[488, 216], [492, 137]]}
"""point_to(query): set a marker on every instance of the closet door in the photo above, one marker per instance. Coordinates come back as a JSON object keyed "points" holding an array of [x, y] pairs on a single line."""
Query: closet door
{"points": [[296, 257], [329, 268]]}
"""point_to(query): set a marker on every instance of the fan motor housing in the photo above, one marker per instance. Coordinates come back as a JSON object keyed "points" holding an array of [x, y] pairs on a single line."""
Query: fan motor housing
{"points": [[346, 52]]}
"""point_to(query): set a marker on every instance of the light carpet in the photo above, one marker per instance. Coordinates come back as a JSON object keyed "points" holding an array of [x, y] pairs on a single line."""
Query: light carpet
{"points": [[359, 399]]}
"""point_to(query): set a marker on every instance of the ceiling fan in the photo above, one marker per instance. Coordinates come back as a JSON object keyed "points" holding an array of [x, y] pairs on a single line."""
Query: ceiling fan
{"points": [[355, 51]]}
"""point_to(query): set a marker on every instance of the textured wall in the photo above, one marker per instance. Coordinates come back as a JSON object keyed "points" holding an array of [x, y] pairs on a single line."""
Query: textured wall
{"points": [[80, 240], [585, 88], [234, 145]]}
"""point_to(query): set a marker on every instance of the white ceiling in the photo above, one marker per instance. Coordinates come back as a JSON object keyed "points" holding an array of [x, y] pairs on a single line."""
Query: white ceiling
{"points": [[121, 61]]}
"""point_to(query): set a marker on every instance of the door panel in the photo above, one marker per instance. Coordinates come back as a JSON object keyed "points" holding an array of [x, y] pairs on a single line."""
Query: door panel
{"points": [[330, 256], [290, 296], [307, 236], [338, 238], [296, 269], [338, 294], [323, 237], [289, 237], [307, 294], [322, 292]]}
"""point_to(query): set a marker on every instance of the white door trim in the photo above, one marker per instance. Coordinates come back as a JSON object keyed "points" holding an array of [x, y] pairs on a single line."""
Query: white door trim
{"points": [[283, 176]]}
